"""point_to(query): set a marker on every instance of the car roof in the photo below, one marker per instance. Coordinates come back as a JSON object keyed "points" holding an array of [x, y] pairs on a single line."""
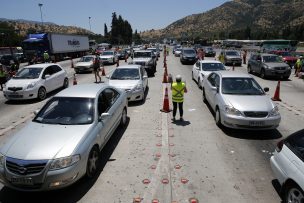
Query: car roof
{"points": [[233, 74], [131, 66], [188, 48], [40, 65], [146, 50], [266, 54], [83, 90], [209, 61]]}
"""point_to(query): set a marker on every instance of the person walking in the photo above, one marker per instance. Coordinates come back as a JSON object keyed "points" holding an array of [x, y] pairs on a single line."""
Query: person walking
{"points": [[46, 57], [244, 56], [96, 68], [178, 89], [3, 76]]}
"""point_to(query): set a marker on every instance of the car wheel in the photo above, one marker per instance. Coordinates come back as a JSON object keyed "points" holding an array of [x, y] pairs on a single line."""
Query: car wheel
{"points": [[123, 120], [218, 117], [113, 61], [262, 74], [65, 83], [41, 93], [204, 96], [92, 163], [249, 69], [293, 194], [192, 76]]}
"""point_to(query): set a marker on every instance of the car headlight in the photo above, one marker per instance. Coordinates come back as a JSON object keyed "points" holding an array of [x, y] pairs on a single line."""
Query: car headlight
{"points": [[64, 162], [265, 66], [31, 85], [138, 87], [232, 111], [274, 112], [2, 158]]}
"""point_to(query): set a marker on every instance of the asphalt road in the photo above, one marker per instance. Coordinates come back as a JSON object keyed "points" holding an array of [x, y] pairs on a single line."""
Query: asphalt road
{"points": [[154, 158]]}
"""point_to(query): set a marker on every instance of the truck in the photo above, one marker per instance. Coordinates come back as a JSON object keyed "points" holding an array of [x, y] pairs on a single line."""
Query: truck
{"points": [[58, 46]]}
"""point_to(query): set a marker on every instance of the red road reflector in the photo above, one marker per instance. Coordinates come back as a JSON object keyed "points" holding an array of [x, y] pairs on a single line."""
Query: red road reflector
{"points": [[146, 181], [155, 201], [137, 200], [184, 180], [158, 155], [171, 144], [165, 181], [153, 167], [159, 144], [193, 200], [177, 166], [172, 155], [174, 202]]}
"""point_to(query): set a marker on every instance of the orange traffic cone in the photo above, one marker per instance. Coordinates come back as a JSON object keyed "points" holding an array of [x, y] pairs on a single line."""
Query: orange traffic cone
{"points": [[117, 63], [166, 107], [126, 58], [276, 96], [74, 80], [165, 79], [72, 64]]}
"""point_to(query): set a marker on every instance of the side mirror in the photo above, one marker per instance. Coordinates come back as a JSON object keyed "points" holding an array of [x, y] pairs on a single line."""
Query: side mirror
{"points": [[266, 89], [46, 76], [145, 76], [103, 116]]}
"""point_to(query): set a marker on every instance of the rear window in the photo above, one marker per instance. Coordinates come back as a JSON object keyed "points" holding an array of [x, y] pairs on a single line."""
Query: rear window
{"points": [[295, 143]]}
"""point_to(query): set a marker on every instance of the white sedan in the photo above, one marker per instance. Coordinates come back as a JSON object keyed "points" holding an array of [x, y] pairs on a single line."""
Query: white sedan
{"points": [[131, 78], [239, 101], [202, 68], [288, 167], [35, 81]]}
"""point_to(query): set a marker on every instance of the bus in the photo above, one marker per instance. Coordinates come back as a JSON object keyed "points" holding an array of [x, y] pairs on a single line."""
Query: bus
{"points": [[279, 44]]}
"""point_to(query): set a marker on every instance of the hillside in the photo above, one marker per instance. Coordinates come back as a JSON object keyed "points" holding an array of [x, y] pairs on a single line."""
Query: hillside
{"points": [[271, 17], [24, 26]]}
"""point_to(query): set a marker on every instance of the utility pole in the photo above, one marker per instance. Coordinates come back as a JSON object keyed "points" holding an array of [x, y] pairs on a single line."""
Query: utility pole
{"points": [[40, 5]]}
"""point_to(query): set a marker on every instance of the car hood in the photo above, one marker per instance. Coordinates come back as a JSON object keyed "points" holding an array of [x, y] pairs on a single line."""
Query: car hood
{"points": [[20, 82], [44, 141], [249, 102], [141, 59], [84, 64], [277, 64], [124, 84]]}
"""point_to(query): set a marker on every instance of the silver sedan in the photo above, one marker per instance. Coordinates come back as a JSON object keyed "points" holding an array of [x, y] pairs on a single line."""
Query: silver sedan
{"points": [[239, 102], [63, 142]]}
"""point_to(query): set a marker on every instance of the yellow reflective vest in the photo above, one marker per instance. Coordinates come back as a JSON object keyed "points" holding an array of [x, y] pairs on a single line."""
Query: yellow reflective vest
{"points": [[178, 90]]}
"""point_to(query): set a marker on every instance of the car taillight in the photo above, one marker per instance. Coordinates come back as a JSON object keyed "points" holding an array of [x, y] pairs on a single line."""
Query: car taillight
{"points": [[279, 146]]}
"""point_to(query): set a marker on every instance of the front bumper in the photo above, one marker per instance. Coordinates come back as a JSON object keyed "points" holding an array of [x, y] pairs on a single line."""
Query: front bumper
{"points": [[240, 122], [83, 68], [277, 73], [43, 181], [21, 94], [135, 95]]}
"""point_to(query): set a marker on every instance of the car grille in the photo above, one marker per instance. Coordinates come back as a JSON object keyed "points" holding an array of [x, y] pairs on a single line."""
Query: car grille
{"points": [[25, 167], [14, 89], [280, 68], [255, 114], [142, 63], [82, 67], [15, 96]]}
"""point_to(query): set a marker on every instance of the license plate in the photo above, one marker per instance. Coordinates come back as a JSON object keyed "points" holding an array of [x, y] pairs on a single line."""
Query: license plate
{"points": [[256, 123], [22, 181]]}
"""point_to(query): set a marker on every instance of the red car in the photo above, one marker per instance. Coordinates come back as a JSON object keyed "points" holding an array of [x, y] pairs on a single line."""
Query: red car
{"points": [[287, 57]]}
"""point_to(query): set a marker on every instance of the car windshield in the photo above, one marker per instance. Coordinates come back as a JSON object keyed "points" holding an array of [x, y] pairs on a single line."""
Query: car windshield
{"points": [[86, 59], [212, 66], [241, 86], [125, 74], [187, 51], [232, 53], [67, 111], [285, 53], [107, 53], [269, 59], [142, 54], [28, 73]]}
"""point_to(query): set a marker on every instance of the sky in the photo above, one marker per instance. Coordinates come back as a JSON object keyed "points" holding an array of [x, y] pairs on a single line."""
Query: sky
{"points": [[92, 14]]}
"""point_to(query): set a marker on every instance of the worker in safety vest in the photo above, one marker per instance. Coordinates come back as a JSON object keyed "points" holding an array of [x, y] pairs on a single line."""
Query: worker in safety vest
{"points": [[298, 66], [46, 57], [178, 89]]}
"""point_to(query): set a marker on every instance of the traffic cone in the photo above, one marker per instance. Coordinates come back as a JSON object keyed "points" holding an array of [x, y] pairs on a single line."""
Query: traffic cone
{"points": [[165, 77], [165, 64], [117, 64], [126, 58], [74, 80], [233, 66], [72, 64], [276, 96], [166, 107]]}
